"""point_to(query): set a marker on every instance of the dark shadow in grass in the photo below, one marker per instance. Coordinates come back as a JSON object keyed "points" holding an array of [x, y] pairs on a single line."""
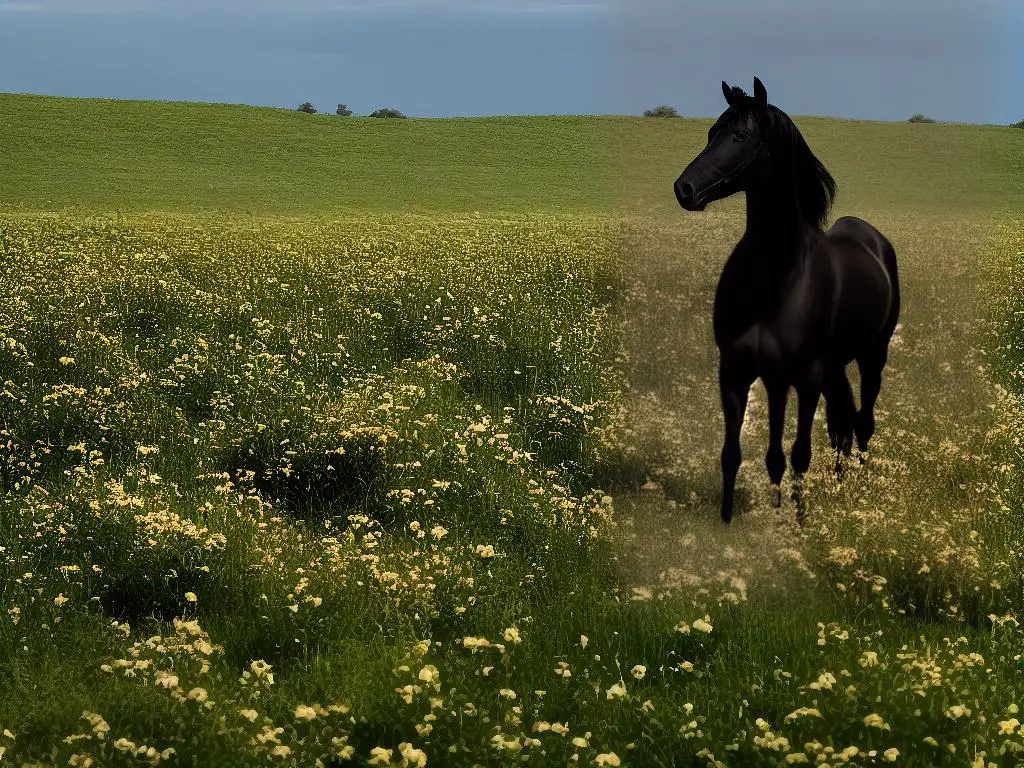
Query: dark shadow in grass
{"points": [[313, 486], [624, 474], [630, 475], [194, 396], [337, 762], [157, 591], [703, 491]]}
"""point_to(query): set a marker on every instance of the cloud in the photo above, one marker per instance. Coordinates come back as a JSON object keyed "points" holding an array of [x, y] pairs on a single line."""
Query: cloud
{"points": [[68, 7], [300, 6], [20, 5], [489, 6]]}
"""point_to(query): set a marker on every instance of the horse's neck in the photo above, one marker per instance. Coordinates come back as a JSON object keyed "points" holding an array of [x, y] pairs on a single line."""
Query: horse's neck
{"points": [[776, 231]]}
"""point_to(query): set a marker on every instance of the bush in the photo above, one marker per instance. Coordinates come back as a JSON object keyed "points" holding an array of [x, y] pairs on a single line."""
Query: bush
{"points": [[663, 111], [919, 118], [386, 113], [308, 108], [1018, 124], [343, 111]]}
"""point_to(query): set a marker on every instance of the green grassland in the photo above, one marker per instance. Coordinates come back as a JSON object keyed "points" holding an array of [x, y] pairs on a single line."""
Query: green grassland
{"points": [[340, 441], [100, 155]]}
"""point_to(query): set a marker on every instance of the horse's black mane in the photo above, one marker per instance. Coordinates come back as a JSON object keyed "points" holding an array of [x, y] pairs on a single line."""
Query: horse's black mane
{"points": [[816, 189]]}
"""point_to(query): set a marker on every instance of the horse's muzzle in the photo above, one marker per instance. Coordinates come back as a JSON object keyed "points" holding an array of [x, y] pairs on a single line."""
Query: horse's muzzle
{"points": [[686, 196]]}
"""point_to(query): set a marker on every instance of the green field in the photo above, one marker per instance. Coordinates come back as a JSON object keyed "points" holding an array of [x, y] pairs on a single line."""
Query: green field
{"points": [[141, 157], [346, 441]]}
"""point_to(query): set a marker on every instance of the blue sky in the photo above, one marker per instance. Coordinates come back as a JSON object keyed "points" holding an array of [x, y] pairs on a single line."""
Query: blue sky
{"points": [[876, 59]]}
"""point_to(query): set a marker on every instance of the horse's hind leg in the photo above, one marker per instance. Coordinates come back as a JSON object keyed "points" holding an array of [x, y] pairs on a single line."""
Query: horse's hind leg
{"points": [[775, 459], [870, 366], [840, 413]]}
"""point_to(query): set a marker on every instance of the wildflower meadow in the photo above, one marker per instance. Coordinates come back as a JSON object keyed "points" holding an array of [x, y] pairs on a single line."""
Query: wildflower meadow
{"points": [[314, 486]]}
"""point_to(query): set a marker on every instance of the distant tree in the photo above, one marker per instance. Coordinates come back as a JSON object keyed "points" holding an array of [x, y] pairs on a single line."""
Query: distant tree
{"points": [[386, 112], [343, 111], [663, 111], [919, 118], [1018, 124], [308, 108]]}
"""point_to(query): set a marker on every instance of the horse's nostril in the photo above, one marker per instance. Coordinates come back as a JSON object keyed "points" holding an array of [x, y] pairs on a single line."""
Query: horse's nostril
{"points": [[684, 194]]}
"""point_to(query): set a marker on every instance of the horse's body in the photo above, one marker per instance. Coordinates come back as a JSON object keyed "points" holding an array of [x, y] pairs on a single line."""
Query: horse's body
{"points": [[795, 304]]}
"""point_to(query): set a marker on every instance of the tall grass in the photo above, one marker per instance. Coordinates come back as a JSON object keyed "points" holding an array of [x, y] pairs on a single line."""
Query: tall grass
{"points": [[318, 490]]}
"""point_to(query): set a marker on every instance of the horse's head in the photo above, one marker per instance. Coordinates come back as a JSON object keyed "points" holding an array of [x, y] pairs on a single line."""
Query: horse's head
{"points": [[728, 162]]}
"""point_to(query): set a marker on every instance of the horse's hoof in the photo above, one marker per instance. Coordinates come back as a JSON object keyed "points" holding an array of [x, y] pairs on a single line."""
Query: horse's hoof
{"points": [[777, 497], [863, 457], [839, 469]]}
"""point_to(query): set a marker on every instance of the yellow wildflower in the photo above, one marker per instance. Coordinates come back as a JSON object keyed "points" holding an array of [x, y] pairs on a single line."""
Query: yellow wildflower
{"points": [[703, 625], [875, 721], [429, 674], [411, 756], [616, 691], [1008, 727], [869, 659]]}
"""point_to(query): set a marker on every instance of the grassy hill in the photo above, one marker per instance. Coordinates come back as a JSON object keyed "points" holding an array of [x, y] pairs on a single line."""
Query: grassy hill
{"points": [[98, 154]]}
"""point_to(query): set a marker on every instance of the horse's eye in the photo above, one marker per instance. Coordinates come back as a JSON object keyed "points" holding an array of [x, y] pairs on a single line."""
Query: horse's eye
{"points": [[740, 136]]}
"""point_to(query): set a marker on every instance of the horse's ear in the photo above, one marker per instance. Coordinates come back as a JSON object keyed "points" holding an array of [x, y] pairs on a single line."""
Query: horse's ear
{"points": [[728, 93], [760, 95]]}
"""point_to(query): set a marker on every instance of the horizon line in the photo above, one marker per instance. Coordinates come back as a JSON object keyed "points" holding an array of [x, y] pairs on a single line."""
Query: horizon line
{"points": [[935, 121]]}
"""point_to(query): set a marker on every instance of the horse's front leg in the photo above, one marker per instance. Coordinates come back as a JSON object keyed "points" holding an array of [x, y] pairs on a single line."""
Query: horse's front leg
{"points": [[734, 383], [775, 459], [808, 393]]}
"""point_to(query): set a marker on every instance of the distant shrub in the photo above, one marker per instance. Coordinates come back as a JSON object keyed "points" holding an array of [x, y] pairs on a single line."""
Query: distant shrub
{"points": [[1018, 124], [308, 108], [343, 111], [663, 111], [919, 118], [386, 112]]}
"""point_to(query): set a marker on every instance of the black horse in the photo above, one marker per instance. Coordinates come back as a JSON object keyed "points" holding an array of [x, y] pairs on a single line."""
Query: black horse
{"points": [[795, 303]]}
